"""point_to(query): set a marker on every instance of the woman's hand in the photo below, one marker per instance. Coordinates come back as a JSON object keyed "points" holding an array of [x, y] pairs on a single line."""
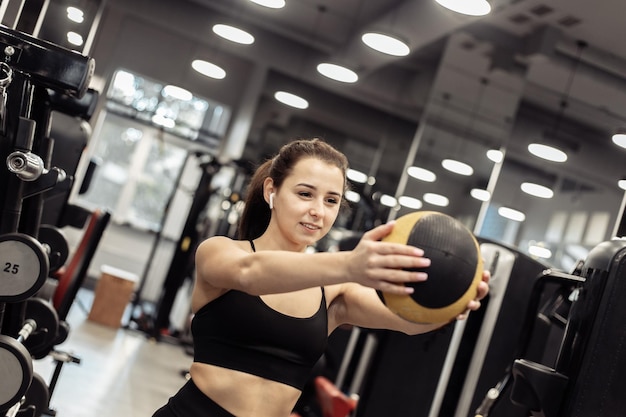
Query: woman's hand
{"points": [[385, 266], [482, 291]]}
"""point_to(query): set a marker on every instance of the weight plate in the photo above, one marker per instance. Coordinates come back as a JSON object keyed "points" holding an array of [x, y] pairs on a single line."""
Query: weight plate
{"points": [[43, 339], [38, 395], [56, 241], [23, 266], [16, 368]]}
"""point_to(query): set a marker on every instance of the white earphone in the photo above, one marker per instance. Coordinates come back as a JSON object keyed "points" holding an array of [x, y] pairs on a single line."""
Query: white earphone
{"points": [[271, 201]]}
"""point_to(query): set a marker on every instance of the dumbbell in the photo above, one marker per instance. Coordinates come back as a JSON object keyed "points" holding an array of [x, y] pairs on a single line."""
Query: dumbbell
{"points": [[38, 333], [24, 267]]}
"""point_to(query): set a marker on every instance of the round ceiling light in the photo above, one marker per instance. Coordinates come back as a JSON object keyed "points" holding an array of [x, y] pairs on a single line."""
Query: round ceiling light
{"points": [[537, 190], [385, 44], [468, 7], [233, 34], [337, 72], [272, 4], [511, 214], [421, 174], [209, 69], [549, 153], [436, 199], [457, 167], [480, 194], [291, 100], [619, 139]]}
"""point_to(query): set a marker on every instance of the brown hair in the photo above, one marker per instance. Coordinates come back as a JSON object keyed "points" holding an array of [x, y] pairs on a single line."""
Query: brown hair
{"points": [[256, 213]]}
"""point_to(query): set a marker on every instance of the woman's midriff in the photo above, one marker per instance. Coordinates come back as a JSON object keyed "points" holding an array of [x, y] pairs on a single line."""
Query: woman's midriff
{"points": [[242, 394]]}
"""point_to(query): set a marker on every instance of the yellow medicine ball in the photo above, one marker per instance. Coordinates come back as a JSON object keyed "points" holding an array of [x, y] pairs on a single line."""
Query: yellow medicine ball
{"points": [[454, 273]]}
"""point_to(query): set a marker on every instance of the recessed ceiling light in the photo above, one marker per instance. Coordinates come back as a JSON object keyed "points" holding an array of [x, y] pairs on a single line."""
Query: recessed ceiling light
{"points": [[353, 196], [388, 201], [436, 199], [480, 194], [457, 167], [621, 184], [495, 155], [233, 34], [337, 72], [75, 14], [537, 190], [410, 202], [272, 4], [386, 44], [468, 7], [291, 100], [421, 174], [177, 93], [511, 214], [547, 152], [356, 176], [209, 69], [74, 38], [619, 139]]}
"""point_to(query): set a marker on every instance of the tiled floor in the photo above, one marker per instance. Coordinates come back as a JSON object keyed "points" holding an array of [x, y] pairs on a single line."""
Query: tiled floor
{"points": [[122, 372]]}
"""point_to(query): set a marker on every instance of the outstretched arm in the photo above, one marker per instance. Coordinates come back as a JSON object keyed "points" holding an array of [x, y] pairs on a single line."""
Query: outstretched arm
{"points": [[226, 264]]}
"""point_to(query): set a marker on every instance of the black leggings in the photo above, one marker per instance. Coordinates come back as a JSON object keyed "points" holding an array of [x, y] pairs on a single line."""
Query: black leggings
{"points": [[189, 401]]}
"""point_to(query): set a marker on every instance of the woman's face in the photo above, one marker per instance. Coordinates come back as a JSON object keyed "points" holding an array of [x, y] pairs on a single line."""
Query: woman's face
{"points": [[308, 201]]}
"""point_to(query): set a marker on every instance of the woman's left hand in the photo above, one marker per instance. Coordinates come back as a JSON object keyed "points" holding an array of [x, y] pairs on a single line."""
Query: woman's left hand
{"points": [[482, 291]]}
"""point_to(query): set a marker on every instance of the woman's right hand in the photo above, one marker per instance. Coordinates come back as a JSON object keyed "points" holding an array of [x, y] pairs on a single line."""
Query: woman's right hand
{"points": [[386, 266]]}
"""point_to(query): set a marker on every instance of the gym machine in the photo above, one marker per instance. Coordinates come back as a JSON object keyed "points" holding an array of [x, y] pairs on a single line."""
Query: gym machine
{"points": [[587, 377], [36, 77]]}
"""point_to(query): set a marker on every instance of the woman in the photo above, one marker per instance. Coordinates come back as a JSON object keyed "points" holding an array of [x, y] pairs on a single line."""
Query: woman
{"points": [[264, 307]]}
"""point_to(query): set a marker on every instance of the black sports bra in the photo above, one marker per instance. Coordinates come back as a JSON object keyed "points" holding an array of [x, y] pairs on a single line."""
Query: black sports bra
{"points": [[239, 331]]}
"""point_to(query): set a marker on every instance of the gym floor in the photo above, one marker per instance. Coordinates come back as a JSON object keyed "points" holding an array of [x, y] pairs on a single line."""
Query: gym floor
{"points": [[121, 372]]}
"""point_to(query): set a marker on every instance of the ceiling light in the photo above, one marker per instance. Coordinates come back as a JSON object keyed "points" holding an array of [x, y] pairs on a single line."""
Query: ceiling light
{"points": [[547, 152], [387, 200], [177, 93], [457, 167], [410, 202], [495, 155], [511, 214], [356, 176], [74, 38], [208, 69], [272, 4], [75, 14], [468, 7], [621, 184], [619, 138], [233, 34], [421, 174], [385, 44], [352, 196], [291, 100], [436, 199], [480, 194], [337, 72], [537, 190]]}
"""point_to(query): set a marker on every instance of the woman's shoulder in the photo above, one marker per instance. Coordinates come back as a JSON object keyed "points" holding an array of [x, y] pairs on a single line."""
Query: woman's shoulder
{"points": [[222, 242]]}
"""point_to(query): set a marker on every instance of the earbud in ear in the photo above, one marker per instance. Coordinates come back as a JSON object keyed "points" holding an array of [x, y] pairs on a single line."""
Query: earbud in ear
{"points": [[271, 201]]}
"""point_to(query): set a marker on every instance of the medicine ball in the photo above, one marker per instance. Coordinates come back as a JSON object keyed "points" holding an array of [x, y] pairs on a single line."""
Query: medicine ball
{"points": [[454, 273]]}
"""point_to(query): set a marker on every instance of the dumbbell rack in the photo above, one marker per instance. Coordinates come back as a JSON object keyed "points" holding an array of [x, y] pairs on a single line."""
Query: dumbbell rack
{"points": [[33, 74]]}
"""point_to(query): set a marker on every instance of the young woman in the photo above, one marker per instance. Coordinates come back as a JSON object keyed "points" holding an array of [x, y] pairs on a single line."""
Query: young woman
{"points": [[264, 307]]}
